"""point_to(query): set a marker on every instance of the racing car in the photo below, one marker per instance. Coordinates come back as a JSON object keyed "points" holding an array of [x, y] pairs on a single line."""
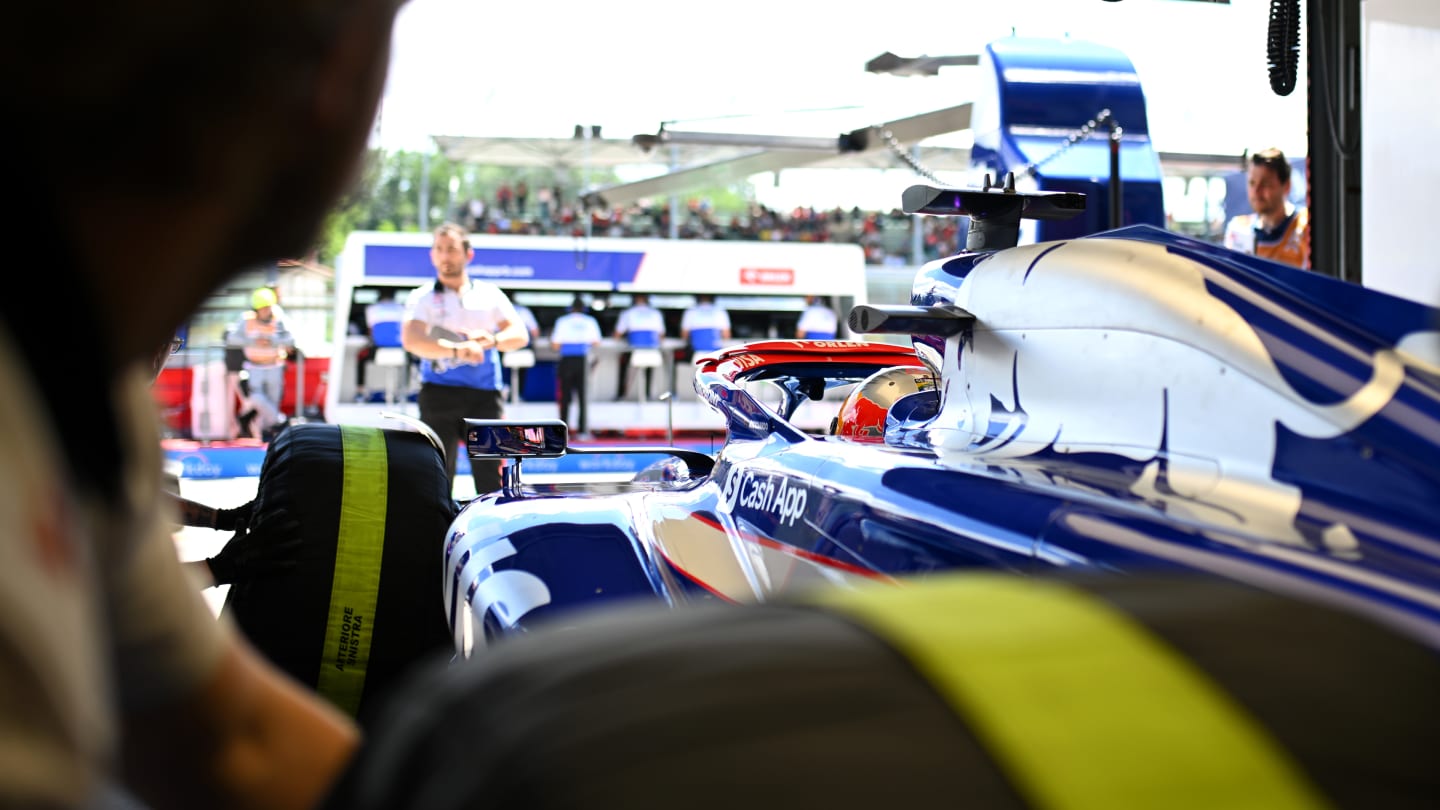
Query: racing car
{"points": [[1132, 400]]}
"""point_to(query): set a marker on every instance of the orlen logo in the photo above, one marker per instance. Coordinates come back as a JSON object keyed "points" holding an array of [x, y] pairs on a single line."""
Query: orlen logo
{"points": [[767, 494], [767, 276]]}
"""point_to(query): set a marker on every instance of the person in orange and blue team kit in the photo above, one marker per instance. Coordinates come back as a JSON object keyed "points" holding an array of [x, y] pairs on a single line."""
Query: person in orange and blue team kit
{"points": [[1278, 230], [817, 322]]}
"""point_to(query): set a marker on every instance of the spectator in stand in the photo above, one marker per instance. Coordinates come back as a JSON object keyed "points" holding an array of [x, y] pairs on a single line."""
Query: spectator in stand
{"points": [[522, 198], [267, 342], [504, 196], [477, 215], [455, 325], [704, 326], [576, 333], [1277, 230], [817, 321], [642, 327], [700, 221]]}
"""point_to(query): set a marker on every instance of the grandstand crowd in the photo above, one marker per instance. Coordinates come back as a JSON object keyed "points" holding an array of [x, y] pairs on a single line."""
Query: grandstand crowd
{"points": [[886, 237]]}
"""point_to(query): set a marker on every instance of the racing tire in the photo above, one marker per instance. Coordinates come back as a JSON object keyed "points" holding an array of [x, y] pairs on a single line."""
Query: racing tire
{"points": [[814, 704], [287, 612]]}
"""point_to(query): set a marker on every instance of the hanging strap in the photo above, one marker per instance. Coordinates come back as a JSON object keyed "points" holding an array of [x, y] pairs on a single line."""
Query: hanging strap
{"points": [[359, 547]]}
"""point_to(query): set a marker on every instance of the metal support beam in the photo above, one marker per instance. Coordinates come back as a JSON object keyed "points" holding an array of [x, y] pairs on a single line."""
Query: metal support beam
{"points": [[776, 152], [1333, 36], [676, 137]]}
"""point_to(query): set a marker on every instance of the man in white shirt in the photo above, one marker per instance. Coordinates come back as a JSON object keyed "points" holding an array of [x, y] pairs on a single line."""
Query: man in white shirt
{"points": [[642, 327], [575, 334], [817, 322], [455, 325], [705, 326], [383, 319]]}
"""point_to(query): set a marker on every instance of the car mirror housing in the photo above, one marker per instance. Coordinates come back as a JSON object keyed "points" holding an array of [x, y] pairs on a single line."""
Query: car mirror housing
{"points": [[495, 438]]}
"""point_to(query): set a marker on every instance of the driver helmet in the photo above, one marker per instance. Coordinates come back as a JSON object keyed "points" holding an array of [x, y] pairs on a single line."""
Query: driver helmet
{"points": [[862, 413]]}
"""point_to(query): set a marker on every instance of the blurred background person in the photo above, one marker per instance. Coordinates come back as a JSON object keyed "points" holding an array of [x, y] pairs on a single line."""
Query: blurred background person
{"points": [[642, 327], [382, 330], [575, 335], [517, 360], [817, 321], [705, 326], [266, 341], [1278, 230]]}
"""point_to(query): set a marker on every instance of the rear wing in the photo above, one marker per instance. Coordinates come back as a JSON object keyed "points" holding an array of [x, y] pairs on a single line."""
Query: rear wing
{"points": [[995, 211]]}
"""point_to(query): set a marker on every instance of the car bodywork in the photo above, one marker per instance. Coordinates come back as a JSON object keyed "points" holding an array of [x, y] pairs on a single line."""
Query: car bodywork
{"points": [[1130, 400]]}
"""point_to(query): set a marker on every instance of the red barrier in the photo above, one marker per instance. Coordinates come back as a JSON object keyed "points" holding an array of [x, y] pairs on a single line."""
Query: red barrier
{"points": [[172, 392], [172, 396], [317, 374]]}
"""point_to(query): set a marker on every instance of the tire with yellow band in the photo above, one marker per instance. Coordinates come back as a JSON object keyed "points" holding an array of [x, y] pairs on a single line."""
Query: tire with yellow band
{"points": [[970, 691], [356, 602], [1080, 705]]}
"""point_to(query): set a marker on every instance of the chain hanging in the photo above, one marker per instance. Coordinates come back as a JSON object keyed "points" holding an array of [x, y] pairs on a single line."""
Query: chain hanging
{"points": [[1075, 137], [919, 168], [901, 152]]}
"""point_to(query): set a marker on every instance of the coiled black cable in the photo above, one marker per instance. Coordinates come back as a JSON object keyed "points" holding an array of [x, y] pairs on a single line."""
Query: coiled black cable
{"points": [[1283, 45]]}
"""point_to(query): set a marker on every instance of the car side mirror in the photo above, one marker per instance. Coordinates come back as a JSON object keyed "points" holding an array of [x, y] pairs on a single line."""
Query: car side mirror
{"points": [[496, 438]]}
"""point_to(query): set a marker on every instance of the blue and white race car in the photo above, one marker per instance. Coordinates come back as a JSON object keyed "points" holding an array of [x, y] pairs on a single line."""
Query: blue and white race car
{"points": [[1132, 400]]}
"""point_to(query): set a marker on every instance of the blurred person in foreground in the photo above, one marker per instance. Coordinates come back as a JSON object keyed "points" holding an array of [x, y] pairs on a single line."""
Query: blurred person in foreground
{"points": [[1278, 230], [175, 178]]}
